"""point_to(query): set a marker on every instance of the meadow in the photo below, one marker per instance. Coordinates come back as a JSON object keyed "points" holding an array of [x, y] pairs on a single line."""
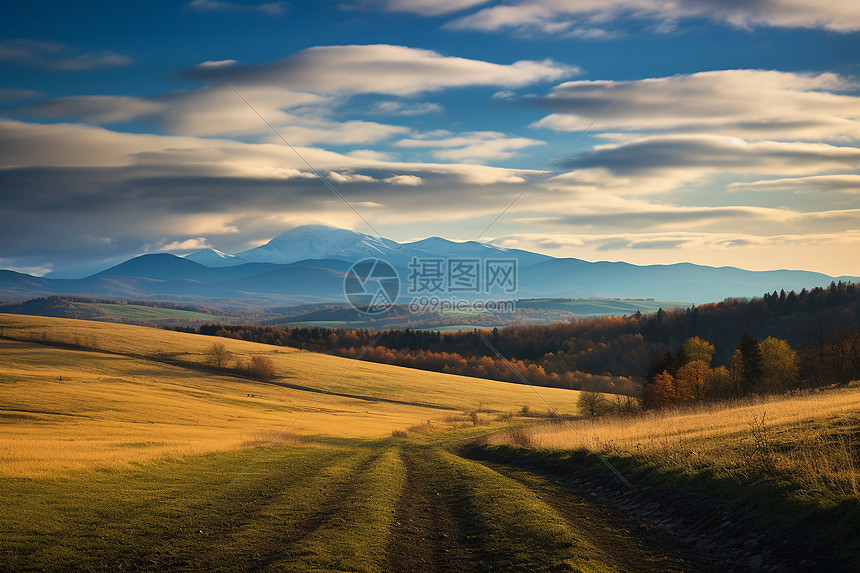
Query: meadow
{"points": [[129, 448], [813, 439], [78, 394]]}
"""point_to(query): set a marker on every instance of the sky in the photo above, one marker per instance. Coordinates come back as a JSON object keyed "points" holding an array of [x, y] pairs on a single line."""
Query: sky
{"points": [[716, 132]]}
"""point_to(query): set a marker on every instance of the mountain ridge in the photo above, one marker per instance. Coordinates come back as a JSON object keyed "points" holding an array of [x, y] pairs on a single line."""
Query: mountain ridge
{"points": [[324, 255]]}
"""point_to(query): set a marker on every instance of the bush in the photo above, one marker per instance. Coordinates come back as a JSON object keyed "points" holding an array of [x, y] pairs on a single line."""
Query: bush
{"points": [[261, 368]]}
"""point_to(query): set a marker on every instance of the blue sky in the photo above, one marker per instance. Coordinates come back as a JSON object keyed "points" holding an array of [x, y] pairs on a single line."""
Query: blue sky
{"points": [[733, 139]]}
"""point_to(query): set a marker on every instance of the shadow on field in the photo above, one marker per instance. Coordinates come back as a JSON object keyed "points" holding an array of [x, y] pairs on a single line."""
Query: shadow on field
{"points": [[705, 522]]}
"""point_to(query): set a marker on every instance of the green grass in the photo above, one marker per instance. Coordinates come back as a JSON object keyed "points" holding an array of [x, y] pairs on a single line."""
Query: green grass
{"points": [[517, 531], [589, 306], [149, 312], [828, 518], [306, 509], [511, 528]]}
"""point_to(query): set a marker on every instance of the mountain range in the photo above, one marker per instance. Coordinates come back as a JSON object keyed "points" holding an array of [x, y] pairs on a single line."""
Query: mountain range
{"points": [[308, 264]]}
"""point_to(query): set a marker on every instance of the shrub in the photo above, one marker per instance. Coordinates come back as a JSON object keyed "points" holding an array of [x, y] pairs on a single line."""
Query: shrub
{"points": [[261, 368]]}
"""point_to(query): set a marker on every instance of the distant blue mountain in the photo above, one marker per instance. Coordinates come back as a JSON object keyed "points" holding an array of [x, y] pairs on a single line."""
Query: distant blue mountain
{"points": [[309, 263]]}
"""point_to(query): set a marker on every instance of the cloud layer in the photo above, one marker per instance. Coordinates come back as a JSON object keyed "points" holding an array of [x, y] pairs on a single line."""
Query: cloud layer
{"points": [[595, 17], [56, 56]]}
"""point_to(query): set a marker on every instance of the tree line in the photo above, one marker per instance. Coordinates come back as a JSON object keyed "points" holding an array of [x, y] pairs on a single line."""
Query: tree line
{"points": [[818, 327]]}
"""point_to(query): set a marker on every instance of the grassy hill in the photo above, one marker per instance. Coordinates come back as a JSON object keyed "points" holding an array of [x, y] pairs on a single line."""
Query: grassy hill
{"points": [[108, 310], [75, 394]]}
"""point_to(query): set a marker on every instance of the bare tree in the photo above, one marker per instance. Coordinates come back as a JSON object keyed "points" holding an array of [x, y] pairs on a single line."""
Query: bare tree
{"points": [[592, 404], [218, 355]]}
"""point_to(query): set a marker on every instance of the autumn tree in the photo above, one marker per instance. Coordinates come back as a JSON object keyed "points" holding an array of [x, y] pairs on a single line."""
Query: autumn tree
{"points": [[661, 391], [779, 366], [720, 386], [691, 381], [696, 348]]}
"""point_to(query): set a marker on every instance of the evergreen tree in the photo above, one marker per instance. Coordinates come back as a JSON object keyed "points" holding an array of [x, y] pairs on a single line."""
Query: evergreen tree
{"points": [[753, 366]]}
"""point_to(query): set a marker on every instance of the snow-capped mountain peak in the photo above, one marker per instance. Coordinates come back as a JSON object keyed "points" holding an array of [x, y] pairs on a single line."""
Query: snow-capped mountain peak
{"points": [[215, 258], [320, 242]]}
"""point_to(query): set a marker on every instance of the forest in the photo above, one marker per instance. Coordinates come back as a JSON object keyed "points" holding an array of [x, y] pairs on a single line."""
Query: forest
{"points": [[816, 330]]}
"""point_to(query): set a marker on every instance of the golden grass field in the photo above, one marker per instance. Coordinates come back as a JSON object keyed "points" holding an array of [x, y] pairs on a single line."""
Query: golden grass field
{"points": [[130, 394], [813, 437]]}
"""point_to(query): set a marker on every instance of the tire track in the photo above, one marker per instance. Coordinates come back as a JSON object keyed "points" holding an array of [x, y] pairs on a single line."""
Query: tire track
{"points": [[426, 536]]}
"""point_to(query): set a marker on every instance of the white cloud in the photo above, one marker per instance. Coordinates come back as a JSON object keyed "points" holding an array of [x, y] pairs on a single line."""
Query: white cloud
{"points": [[217, 63], [56, 56], [186, 245], [408, 180], [75, 145], [472, 146], [382, 69], [298, 116], [566, 17], [350, 177], [300, 95], [665, 163], [742, 103], [845, 183]]}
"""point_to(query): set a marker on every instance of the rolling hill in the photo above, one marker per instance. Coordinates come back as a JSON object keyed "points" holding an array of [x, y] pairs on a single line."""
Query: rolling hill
{"points": [[63, 380]]}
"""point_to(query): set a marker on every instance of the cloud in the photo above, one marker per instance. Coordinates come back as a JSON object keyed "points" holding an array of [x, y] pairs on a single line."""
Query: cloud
{"points": [[194, 244], [472, 146], [665, 163], [403, 108], [823, 252], [301, 95], [742, 103], [651, 217], [299, 117], [56, 56], [36, 271], [14, 95], [381, 69], [65, 187], [268, 8], [72, 180], [717, 154], [409, 180], [845, 183], [350, 177], [429, 7], [99, 109], [566, 17]]}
